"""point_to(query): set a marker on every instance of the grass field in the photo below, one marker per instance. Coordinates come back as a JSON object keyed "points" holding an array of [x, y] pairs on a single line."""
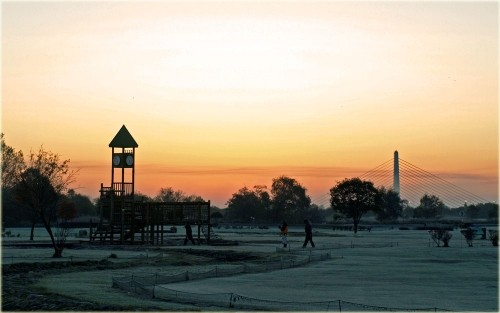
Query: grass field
{"points": [[385, 267]]}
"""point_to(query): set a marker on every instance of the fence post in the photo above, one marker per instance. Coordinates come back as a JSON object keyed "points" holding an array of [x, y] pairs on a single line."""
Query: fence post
{"points": [[153, 291], [340, 307], [231, 300]]}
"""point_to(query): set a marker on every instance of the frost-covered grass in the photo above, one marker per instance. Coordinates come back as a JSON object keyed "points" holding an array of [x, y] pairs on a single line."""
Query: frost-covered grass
{"points": [[410, 274], [26, 255], [95, 286], [387, 268]]}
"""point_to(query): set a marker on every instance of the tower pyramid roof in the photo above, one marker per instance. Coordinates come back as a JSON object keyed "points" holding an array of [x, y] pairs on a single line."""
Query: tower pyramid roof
{"points": [[123, 139]]}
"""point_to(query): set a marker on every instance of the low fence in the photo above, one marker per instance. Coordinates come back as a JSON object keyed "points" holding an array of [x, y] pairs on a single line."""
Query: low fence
{"points": [[129, 282], [236, 301], [153, 286]]}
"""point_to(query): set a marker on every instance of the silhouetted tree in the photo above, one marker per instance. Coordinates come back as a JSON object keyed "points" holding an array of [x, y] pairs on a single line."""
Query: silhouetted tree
{"points": [[469, 235], [316, 214], [391, 206], [65, 213], [493, 212], [170, 195], [83, 204], [472, 211], [35, 191], [289, 200], [493, 235], [216, 216], [352, 198], [265, 200], [246, 204], [12, 167], [12, 164], [41, 186], [430, 207]]}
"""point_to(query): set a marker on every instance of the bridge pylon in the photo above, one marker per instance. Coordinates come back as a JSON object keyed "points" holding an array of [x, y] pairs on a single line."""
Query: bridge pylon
{"points": [[395, 184]]}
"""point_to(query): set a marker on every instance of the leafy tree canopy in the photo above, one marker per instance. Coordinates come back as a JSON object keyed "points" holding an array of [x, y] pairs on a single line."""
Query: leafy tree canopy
{"points": [[83, 205], [430, 207], [247, 204], [354, 197], [170, 195], [290, 201], [391, 205]]}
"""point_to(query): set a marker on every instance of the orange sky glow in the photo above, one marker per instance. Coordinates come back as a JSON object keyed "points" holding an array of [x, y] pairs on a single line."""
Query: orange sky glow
{"points": [[222, 95]]}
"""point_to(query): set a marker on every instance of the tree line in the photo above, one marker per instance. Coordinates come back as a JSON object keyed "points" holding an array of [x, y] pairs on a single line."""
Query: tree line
{"points": [[36, 190]]}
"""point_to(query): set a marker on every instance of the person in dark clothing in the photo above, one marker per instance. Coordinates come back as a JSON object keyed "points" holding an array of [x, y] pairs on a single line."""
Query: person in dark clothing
{"points": [[309, 234], [189, 234]]}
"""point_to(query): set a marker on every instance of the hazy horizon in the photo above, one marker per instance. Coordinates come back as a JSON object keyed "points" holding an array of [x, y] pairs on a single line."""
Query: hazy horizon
{"points": [[224, 95]]}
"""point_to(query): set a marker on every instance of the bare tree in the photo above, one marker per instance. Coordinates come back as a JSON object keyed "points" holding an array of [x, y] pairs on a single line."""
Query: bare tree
{"points": [[468, 235], [41, 187], [439, 235], [12, 164], [494, 237], [65, 213]]}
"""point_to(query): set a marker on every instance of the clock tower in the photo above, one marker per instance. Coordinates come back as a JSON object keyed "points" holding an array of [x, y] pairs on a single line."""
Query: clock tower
{"points": [[123, 163]]}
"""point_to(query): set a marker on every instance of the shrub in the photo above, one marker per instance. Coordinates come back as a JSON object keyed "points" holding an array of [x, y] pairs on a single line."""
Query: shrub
{"points": [[468, 235], [439, 235], [494, 237]]}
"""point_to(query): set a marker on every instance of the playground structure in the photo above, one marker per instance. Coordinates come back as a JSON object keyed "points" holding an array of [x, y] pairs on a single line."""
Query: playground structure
{"points": [[125, 219]]}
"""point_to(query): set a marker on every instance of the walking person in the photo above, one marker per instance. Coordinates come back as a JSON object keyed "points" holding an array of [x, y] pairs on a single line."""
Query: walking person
{"points": [[189, 234], [309, 234], [284, 234]]}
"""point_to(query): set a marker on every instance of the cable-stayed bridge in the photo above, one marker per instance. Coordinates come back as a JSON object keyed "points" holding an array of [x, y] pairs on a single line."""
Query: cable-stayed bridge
{"points": [[412, 183]]}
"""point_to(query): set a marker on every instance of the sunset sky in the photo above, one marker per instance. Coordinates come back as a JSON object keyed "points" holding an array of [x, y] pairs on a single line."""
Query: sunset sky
{"points": [[221, 95]]}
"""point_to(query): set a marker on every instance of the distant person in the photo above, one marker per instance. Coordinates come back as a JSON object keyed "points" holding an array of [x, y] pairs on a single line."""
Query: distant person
{"points": [[309, 233], [284, 234], [189, 234]]}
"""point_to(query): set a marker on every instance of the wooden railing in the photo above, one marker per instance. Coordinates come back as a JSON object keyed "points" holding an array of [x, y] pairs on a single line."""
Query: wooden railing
{"points": [[123, 189]]}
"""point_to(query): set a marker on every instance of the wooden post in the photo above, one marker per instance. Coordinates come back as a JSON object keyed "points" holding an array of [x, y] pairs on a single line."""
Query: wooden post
{"points": [[209, 226], [144, 221], [112, 213], [133, 171], [90, 230], [101, 206], [199, 236], [122, 230]]}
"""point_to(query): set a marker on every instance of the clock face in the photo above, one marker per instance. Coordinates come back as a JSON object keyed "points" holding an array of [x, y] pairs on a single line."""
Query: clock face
{"points": [[129, 160], [116, 160]]}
